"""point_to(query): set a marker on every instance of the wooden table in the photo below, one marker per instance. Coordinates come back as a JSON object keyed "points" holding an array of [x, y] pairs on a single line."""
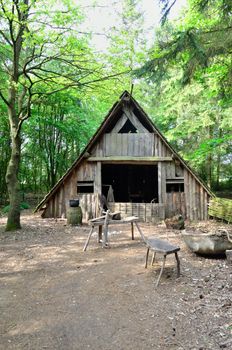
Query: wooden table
{"points": [[103, 224], [162, 247]]}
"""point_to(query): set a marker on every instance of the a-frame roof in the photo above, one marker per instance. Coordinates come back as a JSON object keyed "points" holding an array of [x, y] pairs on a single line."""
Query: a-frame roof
{"points": [[109, 121]]}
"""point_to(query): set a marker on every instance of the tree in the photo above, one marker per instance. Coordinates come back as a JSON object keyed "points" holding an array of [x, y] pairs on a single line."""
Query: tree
{"points": [[41, 52], [190, 68], [4, 150], [59, 130]]}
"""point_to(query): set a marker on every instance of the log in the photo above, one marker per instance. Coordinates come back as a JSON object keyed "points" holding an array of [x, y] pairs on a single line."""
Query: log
{"points": [[74, 216]]}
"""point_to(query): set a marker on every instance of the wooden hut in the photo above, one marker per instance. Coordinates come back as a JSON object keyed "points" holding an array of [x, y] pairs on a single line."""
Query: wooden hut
{"points": [[131, 163]]}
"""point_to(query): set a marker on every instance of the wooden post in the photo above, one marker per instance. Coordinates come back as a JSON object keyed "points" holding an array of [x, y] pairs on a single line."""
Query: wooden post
{"points": [[140, 231], [97, 182], [153, 258], [105, 230], [161, 271], [148, 249], [99, 233], [88, 239], [161, 183], [178, 264], [132, 231]]}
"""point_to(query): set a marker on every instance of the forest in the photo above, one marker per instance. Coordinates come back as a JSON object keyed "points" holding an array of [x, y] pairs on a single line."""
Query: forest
{"points": [[57, 87]]}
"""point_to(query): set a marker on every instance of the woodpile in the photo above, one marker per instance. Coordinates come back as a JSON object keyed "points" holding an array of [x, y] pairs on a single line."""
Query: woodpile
{"points": [[221, 208]]}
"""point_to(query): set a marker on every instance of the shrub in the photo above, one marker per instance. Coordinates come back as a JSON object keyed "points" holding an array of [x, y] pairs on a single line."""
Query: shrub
{"points": [[23, 205]]}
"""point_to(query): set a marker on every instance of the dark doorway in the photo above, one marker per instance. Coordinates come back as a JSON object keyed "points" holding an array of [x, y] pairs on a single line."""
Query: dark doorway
{"points": [[131, 183]]}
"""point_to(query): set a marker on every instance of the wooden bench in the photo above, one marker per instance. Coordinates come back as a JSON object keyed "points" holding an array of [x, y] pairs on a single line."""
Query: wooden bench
{"points": [[162, 247], [103, 223]]}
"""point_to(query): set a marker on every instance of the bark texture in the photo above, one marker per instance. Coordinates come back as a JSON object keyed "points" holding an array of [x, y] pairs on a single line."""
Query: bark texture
{"points": [[12, 181]]}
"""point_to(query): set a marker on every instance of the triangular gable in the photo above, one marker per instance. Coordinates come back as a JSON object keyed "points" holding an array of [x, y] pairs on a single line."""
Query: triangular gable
{"points": [[109, 123]]}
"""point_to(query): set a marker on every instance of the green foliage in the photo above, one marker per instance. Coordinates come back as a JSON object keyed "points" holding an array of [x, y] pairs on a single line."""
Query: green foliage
{"points": [[184, 83], [23, 206], [189, 68]]}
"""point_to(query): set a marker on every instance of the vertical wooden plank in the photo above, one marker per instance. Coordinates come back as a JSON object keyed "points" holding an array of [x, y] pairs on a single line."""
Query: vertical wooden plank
{"points": [[59, 203], [191, 202], [186, 191], [100, 146], [98, 180], [113, 144], [63, 207], [134, 141], [52, 207], [170, 170], [156, 147], [103, 145], [124, 145], [168, 153], [173, 170], [162, 148], [159, 148], [141, 145], [197, 201], [159, 182], [80, 173], [145, 143], [193, 198], [152, 141], [74, 184], [107, 146], [202, 202], [205, 205], [130, 145]]}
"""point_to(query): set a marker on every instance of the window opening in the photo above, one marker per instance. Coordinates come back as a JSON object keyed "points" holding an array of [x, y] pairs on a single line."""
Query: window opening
{"points": [[128, 127], [174, 187], [85, 187]]}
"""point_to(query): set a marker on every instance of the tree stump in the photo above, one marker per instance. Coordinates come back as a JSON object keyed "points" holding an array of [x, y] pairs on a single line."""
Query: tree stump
{"points": [[74, 216]]}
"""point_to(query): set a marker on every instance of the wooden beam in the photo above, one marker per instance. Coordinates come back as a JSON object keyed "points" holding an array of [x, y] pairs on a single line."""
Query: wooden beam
{"points": [[97, 183], [125, 159]]}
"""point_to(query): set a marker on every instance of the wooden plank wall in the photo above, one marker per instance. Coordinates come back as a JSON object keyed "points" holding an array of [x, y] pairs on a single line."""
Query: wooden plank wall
{"points": [[175, 204], [112, 144], [192, 204], [59, 203], [89, 204], [196, 198], [138, 145], [146, 212], [159, 147], [86, 171]]}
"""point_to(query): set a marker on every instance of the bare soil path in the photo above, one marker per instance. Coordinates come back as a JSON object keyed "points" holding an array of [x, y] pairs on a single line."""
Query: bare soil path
{"points": [[54, 296]]}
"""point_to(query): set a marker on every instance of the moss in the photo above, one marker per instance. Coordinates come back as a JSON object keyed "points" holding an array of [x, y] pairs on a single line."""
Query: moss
{"points": [[11, 226]]}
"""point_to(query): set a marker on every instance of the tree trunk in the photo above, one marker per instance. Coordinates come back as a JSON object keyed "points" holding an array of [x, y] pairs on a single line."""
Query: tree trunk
{"points": [[12, 181]]}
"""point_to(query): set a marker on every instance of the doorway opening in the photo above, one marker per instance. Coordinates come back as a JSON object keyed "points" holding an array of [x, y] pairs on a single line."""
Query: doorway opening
{"points": [[131, 183]]}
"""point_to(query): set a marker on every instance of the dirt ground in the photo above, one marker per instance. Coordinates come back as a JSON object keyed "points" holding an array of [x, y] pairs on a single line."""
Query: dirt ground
{"points": [[55, 296]]}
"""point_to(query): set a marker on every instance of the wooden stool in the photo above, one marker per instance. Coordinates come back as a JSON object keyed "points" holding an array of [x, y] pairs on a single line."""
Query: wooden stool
{"points": [[162, 247]]}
